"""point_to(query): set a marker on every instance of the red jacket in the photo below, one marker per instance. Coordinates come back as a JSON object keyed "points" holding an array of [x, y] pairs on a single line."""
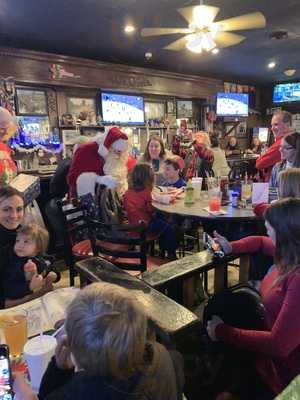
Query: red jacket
{"points": [[267, 160], [138, 206], [278, 348]]}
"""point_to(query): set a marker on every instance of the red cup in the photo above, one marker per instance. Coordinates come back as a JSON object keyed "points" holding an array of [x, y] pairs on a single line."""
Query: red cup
{"points": [[214, 204]]}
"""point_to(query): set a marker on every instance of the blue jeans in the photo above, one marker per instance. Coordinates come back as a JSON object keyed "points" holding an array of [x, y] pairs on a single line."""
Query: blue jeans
{"points": [[167, 239]]}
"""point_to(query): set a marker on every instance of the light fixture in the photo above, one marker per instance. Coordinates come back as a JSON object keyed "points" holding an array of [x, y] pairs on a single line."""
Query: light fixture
{"points": [[272, 64], [290, 72], [200, 41], [129, 28], [215, 50]]}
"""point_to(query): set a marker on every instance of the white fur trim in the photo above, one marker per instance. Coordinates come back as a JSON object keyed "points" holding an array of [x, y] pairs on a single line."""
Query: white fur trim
{"points": [[102, 150], [108, 181], [120, 145], [85, 183]]}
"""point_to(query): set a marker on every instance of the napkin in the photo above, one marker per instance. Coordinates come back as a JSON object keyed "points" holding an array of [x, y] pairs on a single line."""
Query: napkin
{"points": [[260, 192], [220, 212]]}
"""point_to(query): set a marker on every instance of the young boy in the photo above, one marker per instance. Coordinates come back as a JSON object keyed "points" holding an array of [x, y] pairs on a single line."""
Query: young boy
{"points": [[27, 269], [171, 173]]}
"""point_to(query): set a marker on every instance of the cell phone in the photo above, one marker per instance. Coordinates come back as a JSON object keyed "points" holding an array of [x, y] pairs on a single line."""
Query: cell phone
{"points": [[6, 392], [212, 246], [155, 164]]}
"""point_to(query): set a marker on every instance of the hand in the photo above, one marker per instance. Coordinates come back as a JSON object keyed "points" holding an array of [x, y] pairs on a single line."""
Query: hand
{"points": [[51, 277], [22, 389], [223, 242], [36, 282], [63, 353], [212, 325], [108, 181]]}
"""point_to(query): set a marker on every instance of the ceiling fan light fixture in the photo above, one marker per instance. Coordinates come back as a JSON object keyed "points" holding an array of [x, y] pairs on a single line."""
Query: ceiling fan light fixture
{"points": [[203, 16], [215, 50], [290, 72], [207, 42]]}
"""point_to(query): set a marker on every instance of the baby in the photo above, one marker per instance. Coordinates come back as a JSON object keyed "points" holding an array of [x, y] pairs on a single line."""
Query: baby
{"points": [[28, 270]]}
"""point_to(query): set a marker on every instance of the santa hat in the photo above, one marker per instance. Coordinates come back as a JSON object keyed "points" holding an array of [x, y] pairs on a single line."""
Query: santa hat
{"points": [[114, 138]]}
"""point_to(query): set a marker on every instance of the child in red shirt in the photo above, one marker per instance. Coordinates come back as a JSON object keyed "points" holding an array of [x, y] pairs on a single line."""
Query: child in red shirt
{"points": [[138, 205]]}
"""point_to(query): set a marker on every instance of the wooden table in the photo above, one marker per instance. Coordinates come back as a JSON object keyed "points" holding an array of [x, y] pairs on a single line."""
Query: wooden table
{"points": [[233, 214], [197, 211]]}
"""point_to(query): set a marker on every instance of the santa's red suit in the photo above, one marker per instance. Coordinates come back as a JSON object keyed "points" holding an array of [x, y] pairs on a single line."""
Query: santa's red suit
{"points": [[92, 163]]}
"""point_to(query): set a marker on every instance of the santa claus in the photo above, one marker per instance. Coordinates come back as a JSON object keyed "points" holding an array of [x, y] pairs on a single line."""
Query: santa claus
{"points": [[105, 161]]}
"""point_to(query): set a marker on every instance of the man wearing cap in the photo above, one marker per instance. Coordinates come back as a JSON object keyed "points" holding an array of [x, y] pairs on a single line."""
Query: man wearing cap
{"points": [[103, 161]]}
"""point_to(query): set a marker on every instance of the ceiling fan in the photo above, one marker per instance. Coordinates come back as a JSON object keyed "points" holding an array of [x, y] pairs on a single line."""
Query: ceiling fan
{"points": [[205, 34]]}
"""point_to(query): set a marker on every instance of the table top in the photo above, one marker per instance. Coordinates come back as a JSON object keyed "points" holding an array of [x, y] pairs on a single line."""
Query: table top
{"points": [[196, 210]]}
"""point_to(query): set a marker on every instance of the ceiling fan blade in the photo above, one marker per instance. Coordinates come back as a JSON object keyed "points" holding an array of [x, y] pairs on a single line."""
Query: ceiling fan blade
{"points": [[247, 21], [199, 13], [226, 39], [163, 31], [177, 45]]}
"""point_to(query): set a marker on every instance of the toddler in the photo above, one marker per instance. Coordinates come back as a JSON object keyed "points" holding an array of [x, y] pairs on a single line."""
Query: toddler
{"points": [[28, 270], [138, 205]]}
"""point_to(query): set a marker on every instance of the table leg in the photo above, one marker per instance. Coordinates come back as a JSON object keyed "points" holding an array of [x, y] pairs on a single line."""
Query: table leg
{"points": [[188, 288], [220, 276], [244, 268]]}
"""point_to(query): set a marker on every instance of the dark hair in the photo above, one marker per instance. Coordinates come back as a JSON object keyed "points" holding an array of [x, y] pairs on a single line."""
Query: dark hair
{"points": [[284, 217], [214, 140], [7, 191], [173, 162], [141, 177], [293, 139], [162, 148]]}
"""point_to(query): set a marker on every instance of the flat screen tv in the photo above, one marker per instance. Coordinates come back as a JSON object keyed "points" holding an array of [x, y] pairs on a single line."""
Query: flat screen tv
{"points": [[122, 109], [232, 104], [286, 92]]}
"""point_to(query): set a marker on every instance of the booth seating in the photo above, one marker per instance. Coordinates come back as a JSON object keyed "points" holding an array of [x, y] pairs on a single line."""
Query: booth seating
{"points": [[168, 317], [178, 278]]}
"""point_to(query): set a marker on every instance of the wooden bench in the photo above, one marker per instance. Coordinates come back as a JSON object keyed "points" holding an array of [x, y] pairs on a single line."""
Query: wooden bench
{"points": [[177, 278], [167, 316]]}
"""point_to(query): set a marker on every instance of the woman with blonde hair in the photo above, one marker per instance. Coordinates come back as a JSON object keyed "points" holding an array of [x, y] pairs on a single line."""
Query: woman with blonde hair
{"points": [[105, 353], [199, 160]]}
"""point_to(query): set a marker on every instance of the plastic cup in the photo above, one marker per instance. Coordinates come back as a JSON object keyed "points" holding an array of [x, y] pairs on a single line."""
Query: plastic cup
{"points": [[214, 200], [38, 352], [197, 185], [14, 329]]}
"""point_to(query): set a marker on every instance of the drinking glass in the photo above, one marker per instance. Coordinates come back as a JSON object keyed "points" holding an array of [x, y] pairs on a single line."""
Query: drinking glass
{"points": [[14, 328], [246, 193], [214, 199]]}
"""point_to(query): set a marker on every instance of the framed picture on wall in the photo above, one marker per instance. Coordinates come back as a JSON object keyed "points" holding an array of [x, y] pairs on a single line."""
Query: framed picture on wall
{"points": [[171, 107], [83, 108], [154, 110], [184, 108], [31, 102]]}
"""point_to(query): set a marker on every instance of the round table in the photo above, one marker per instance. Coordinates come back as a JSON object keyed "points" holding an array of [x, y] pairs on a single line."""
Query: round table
{"points": [[196, 210]]}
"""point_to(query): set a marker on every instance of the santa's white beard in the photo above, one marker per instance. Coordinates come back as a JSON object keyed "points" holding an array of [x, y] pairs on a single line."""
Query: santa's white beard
{"points": [[116, 166]]}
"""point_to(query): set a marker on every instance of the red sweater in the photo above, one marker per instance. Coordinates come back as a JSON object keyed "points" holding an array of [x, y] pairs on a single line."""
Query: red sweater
{"points": [[138, 206], [267, 160], [278, 348]]}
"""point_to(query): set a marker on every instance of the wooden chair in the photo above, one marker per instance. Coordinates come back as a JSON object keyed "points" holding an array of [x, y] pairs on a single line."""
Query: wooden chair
{"points": [[76, 243], [106, 240]]}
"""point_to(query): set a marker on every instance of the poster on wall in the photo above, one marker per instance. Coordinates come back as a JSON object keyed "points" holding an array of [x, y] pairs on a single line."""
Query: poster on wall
{"points": [[82, 108], [184, 108], [31, 102], [154, 110]]}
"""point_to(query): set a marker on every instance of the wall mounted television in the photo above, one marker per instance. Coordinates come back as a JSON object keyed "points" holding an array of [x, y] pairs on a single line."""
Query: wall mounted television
{"points": [[286, 92], [232, 104], [122, 109]]}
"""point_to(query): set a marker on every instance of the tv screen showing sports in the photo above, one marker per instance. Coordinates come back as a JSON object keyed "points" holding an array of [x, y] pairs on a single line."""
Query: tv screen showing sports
{"points": [[286, 92], [232, 104], [122, 109]]}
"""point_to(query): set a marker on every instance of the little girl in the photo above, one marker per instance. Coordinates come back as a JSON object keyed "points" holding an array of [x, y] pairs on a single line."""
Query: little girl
{"points": [[138, 205], [28, 272]]}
